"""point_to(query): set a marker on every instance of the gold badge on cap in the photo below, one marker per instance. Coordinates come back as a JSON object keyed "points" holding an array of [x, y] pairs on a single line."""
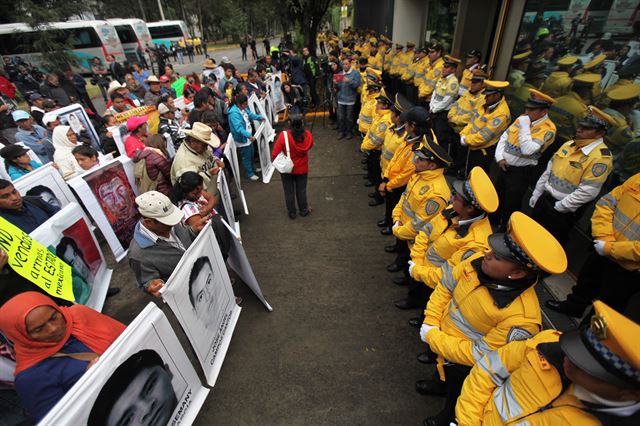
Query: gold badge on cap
{"points": [[598, 326]]}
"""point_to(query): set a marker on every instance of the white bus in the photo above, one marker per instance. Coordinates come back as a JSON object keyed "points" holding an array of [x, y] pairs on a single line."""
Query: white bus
{"points": [[89, 39], [133, 34], [165, 32]]}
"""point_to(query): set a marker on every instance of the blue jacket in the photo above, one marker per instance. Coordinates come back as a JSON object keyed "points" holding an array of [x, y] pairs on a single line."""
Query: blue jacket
{"points": [[348, 91], [43, 150], [16, 172], [40, 387], [34, 212], [238, 126]]}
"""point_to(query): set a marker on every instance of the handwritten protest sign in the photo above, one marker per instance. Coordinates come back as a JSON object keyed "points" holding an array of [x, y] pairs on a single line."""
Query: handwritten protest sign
{"points": [[33, 261]]}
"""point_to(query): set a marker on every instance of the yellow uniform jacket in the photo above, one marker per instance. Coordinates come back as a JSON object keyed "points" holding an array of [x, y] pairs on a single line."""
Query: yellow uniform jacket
{"points": [[366, 112], [566, 111], [426, 195], [393, 139], [432, 73], [375, 136], [487, 125], [461, 112], [616, 221], [557, 84], [443, 243], [400, 168]]}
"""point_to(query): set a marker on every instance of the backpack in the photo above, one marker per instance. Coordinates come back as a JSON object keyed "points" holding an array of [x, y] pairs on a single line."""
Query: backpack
{"points": [[143, 181]]}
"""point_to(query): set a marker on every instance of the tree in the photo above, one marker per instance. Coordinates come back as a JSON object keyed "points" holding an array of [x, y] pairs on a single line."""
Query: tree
{"points": [[307, 15]]}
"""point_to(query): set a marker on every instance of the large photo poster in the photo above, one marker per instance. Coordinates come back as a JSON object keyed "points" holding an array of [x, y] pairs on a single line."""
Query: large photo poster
{"points": [[231, 152], [257, 106], [47, 184], [227, 202], [108, 192], [200, 295], [239, 262], [69, 236], [264, 154], [275, 92], [77, 118], [144, 378]]}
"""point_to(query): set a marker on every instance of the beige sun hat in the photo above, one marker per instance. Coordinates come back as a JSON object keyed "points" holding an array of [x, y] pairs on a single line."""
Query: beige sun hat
{"points": [[113, 86], [152, 79], [203, 133]]}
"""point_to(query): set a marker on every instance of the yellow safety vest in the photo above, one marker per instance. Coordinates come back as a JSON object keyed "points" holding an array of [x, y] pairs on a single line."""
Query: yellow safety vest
{"points": [[542, 134], [366, 112]]}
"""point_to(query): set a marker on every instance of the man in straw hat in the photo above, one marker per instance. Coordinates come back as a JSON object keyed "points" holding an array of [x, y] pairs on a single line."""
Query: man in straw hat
{"points": [[518, 152], [574, 176], [589, 376], [486, 302], [197, 153], [152, 97]]}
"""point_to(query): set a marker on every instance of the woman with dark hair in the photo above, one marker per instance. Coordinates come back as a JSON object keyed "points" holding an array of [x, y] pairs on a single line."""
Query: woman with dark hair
{"points": [[294, 184], [107, 142], [292, 98], [54, 346], [139, 392], [193, 83], [152, 167], [17, 161]]}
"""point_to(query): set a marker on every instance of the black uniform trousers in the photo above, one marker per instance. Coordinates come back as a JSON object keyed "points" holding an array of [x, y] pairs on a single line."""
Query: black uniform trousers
{"points": [[621, 284], [455, 374], [391, 199], [444, 133], [467, 159], [374, 172], [558, 224], [511, 186]]}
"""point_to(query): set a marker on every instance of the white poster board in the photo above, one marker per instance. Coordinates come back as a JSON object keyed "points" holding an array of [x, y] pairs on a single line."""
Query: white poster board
{"points": [[69, 234], [239, 262], [225, 195], [76, 117], [145, 367], [200, 295], [119, 133], [275, 84], [231, 152], [257, 106], [47, 184], [108, 193], [264, 154]]}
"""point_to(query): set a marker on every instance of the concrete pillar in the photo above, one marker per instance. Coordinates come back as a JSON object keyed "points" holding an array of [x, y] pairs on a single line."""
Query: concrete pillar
{"points": [[408, 20]]}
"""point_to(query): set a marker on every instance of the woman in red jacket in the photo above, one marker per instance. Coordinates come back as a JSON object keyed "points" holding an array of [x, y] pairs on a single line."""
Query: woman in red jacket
{"points": [[300, 142]]}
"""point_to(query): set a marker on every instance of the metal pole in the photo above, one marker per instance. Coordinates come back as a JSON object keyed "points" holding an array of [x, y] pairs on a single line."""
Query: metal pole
{"points": [[161, 11], [144, 15]]}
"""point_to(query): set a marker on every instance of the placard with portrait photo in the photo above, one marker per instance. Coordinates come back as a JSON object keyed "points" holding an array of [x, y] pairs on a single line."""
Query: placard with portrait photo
{"points": [[68, 234], [47, 184], [77, 118], [145, 377], [264, 154], [231, 152], [200, 295], [108, 192]]}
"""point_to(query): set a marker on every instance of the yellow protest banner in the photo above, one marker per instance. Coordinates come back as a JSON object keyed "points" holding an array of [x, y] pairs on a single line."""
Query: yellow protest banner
{"points": [[150, 111], [33, 261]]}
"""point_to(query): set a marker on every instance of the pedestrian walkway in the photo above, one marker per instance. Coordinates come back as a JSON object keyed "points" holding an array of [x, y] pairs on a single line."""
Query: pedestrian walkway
{"points": [[334, 350]]}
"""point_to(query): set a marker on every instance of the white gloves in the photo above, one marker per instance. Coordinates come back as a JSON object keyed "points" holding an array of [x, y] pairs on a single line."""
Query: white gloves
{"points": [[524, 120], [599, 246], [412, 264], [558, 207], [532, 201], [462, 142], [424, 330], [396, 224]]}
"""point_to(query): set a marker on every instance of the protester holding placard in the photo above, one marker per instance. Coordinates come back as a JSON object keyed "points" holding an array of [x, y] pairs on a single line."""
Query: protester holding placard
{"points": [[86, 156], [27, 213], [137, 126], [17, 161], [240, 118], [64, 140], [54, 346]]}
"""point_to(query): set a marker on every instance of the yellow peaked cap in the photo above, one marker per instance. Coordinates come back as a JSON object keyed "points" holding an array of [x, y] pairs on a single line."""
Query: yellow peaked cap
{"points": [[595, 61], [496, 84], [619, 333], [567, 60], [483, 190], [538, 243], [624, 93]]}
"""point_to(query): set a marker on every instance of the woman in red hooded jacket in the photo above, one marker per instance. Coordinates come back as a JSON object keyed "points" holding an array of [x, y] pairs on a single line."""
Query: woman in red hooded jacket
{"points": [[295, 183]]}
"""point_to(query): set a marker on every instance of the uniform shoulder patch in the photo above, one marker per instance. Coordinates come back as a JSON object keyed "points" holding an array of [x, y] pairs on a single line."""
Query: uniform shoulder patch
{"points": [[548, 136], [382, 127], [517, 333], [431, 207], [496, 122], [424, 189], [605, 151], [599, 169]]}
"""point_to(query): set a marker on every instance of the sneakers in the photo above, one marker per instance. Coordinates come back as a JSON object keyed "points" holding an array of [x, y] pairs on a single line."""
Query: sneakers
{"points": [[254, 177]]}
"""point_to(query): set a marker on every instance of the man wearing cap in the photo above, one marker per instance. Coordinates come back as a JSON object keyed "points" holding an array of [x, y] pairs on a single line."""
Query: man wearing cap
{"points": [[159, 241], [461, 111], [395, 69], [611, 272], [152, 97], [622, 101], [460, 231], [368, 105], [570, 108], [432, 73], [406, 58], [589, 376], [196, 153], [487, 124], [559, 82], [393, 141], [37, 112], [33, 136], [471, 64], [444, 96], [518, 152], [27, 213], [399, 170], [574, 176], [519, 64], [518, 97], [426, 194], [486, 302], [374, 139], [414, 71], [169, 127]]}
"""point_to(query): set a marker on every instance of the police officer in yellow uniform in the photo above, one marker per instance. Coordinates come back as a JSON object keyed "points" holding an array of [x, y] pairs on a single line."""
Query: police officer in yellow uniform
{"points": [[519, 65], [585, 377], [401, 167], [559, 82], [570, 108], [573, 177], [517, 98], [488, 301], [432, 73], [406, 59], [472, 63], [374, 59], [411, 73], [518, 152], [621, 105], [461, 112], [443, 98], [481, 135], [368, 106], [451, 237], [596, 66], [393, 141], [611, 272], [372, 142]]}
